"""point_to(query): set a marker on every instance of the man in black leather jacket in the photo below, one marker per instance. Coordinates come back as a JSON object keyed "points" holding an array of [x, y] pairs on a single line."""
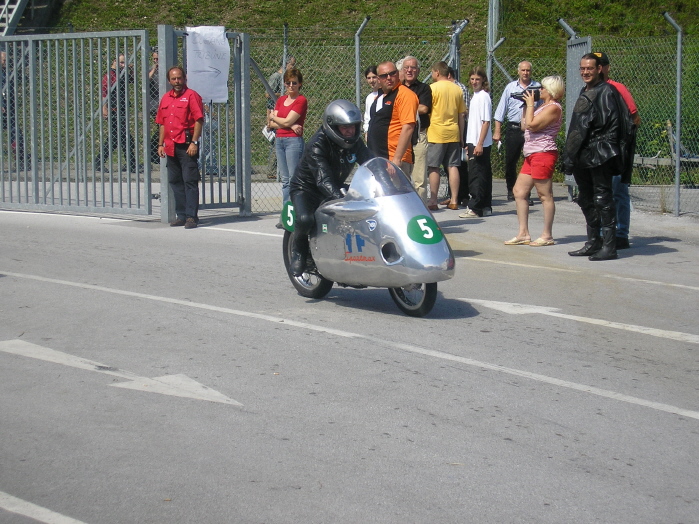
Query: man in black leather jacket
{"points": [[328, 159], [592, 154]]}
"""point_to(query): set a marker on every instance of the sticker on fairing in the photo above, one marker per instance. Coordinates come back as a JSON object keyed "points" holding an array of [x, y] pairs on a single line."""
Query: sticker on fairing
{"points": [[424, 230], [288, 218]]}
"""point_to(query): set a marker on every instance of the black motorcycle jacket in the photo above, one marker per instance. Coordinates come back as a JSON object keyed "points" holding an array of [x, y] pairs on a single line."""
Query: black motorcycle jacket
{"points": [[593, 135], [325, 166]]}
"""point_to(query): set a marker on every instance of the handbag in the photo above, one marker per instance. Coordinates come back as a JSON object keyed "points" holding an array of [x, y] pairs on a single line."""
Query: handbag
{"points": [[268, 134]]}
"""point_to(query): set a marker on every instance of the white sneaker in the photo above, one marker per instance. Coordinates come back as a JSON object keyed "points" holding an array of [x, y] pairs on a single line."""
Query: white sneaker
{"points": [[469, 213]]}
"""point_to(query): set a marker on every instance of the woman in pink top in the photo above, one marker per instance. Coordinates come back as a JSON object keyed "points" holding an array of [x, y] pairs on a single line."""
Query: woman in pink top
{"points": [[288, 118], [540, 127]]}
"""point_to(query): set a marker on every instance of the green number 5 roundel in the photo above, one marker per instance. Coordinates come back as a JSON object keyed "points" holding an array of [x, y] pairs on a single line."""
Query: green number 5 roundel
{"points": [[288, 217], [424, 230]]}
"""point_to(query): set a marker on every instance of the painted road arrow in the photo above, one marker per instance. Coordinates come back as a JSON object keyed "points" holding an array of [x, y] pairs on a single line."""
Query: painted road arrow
{"points": [[174, 385], [513, 308]]}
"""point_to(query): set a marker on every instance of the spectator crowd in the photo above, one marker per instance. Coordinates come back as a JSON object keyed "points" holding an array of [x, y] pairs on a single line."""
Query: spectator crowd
{"points": [[426, 128]]}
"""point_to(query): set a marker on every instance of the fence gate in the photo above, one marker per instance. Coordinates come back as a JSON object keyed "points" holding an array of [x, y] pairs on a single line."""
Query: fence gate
{"points": [[78, 130], [75, 122], [577, 47], [225, 142]]}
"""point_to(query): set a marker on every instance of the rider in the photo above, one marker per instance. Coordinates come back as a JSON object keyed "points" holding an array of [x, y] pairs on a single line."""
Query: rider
{"points": [[328, 159]]}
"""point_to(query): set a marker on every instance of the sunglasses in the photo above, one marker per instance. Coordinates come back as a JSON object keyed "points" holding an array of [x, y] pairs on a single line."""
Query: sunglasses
{"points": [[386, 75], [291, 84]]}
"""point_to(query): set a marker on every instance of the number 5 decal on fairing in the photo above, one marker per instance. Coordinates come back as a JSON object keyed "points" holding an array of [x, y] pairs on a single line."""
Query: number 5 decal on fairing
{"points": [[424, 230], [288, 217]]}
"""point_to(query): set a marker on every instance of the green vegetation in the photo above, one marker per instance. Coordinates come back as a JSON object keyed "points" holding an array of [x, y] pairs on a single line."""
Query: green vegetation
{"points": [[397, 27], [526, 23]]}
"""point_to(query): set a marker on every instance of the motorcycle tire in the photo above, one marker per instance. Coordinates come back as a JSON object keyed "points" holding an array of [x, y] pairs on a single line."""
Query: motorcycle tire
{"points": [[415, 300], [309, 285]]}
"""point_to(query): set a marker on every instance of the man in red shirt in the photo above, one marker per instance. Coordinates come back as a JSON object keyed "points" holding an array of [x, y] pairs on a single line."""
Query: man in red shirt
{"points": [[620, 190], [181, 118], [115, 101]]}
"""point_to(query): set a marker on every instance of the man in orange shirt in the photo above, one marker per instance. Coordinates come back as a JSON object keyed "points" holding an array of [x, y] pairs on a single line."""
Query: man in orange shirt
{"points": [[393, 119]]}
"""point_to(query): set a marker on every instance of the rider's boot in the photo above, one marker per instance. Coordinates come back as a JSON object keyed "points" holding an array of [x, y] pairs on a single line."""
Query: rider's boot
{"points": [[592, 246], [608, 251], [299, 250]]}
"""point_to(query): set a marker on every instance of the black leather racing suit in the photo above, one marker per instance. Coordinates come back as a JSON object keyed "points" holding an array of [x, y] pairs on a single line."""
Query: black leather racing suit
{"points": [[592, 153], [319, 176]]}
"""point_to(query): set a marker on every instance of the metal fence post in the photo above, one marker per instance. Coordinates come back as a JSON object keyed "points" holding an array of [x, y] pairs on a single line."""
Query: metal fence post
{"points": [[242, 125], [33, 118], [576, 47], [357, 62], [455, 46], [285, 54], [491, 35], [167, 55], [678, 112]]}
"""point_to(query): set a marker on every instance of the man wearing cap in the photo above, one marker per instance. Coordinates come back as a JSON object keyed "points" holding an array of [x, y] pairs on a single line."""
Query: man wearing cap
{"points": [[593, 154], [622, 200], [510, 109]]}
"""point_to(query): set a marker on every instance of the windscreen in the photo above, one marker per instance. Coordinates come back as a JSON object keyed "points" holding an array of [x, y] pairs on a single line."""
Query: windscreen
{"points": [[378, 177]]}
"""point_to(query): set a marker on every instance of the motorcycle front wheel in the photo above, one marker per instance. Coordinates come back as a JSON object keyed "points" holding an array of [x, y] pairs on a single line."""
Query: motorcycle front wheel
{"points": [[415, 300], [311, 284]]}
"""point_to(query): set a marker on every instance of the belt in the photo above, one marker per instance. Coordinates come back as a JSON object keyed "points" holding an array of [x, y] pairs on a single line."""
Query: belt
{"points": [[514, 124]]}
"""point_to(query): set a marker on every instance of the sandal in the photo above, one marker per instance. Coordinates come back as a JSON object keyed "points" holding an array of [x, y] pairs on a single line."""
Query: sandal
{"points": [[514, 241], [540, 242]]}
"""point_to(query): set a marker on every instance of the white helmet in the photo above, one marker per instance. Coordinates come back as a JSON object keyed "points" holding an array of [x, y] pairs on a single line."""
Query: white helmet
{"points": [[342, 112]]}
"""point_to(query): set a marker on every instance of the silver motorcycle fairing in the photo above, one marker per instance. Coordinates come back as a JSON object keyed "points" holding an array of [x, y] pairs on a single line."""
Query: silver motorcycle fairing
{"points": [[363, 238]]}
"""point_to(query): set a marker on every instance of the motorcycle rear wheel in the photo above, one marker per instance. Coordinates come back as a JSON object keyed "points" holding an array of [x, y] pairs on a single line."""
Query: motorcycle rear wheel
{"points": [[310, 284], [415, 300]]}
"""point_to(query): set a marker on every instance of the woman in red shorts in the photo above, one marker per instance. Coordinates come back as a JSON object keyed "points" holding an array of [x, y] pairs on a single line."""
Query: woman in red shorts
{"points": [[541, 126]]}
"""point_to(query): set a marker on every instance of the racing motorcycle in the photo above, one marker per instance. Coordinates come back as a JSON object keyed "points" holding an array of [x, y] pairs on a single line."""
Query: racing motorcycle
{"points": [[380, 234]]}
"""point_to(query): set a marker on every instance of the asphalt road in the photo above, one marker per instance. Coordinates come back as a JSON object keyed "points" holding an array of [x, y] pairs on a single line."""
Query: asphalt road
{"points": [[156, 375]]}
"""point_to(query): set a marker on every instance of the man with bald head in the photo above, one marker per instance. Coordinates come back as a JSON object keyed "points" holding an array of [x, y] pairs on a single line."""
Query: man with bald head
{"points": [[393, 119], [509, 111]]}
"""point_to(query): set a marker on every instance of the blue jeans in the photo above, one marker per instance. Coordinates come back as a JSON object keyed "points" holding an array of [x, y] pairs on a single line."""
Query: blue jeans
{"points": [[622, 201], [289, 152]]}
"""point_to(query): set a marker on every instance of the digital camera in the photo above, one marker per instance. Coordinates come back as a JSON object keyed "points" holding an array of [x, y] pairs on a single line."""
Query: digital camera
{"points": [[520, 96]]}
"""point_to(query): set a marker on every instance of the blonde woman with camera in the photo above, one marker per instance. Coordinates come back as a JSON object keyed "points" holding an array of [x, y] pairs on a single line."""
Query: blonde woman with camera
{"points": [[541, 126]]}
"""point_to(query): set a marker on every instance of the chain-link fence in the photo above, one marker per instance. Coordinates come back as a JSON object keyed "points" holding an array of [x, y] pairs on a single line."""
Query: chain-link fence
{"points": [[329, 73], [647, 66], [328, 69]]}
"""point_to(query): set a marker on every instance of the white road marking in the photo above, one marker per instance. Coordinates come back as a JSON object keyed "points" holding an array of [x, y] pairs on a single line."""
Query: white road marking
{"points": [[526, 309], [503, 263], [173, 385], [227, 229], [565, 270], [613, 395], [63, 215], [517, 264], [654, 282], [27, 509]]}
